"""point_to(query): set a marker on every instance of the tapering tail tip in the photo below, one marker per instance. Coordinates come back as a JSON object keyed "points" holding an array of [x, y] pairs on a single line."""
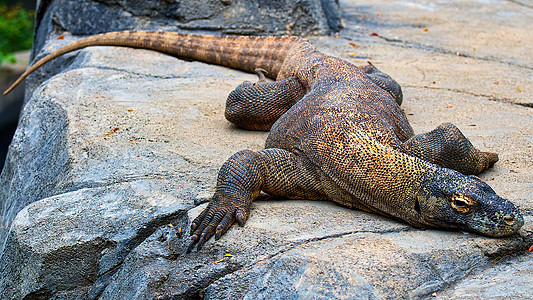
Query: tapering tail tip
{"points": [[15, 84], [8, 90]]}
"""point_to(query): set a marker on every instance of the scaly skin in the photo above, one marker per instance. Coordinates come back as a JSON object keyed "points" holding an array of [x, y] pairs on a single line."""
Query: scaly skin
{"points": [[336, 133]]}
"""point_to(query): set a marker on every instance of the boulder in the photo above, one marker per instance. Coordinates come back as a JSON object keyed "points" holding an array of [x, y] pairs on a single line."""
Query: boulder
{"points": [[118, 149]]}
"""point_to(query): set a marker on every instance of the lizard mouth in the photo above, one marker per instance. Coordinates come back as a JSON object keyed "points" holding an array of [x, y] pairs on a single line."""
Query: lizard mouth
{"points": [[507, 225]]}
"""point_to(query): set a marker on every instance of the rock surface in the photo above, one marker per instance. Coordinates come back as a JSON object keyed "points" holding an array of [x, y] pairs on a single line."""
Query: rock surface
{"points": [[257, 17], [116, 153]]}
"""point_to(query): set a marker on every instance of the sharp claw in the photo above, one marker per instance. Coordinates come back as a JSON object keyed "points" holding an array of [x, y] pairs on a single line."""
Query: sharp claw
{"points": [[261, 74], [200, 243], [199, 219], [191, 245]]}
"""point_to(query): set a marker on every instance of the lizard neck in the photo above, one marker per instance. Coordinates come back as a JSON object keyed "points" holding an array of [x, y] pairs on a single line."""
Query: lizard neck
{"points": [[395, 180], [377, 177]]}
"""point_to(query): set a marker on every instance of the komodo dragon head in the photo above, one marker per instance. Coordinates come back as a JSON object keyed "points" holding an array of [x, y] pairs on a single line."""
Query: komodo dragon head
{"points": [[453, 200]]}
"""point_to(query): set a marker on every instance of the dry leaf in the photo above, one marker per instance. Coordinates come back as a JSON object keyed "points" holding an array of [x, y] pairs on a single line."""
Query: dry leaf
{"points": [[112, 131]]}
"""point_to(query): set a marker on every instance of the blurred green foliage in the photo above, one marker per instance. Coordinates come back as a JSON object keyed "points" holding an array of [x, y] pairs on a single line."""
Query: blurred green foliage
{"points": [[16, 31]]}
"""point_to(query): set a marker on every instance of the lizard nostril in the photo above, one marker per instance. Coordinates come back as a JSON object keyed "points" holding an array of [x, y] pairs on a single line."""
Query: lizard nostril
{"points": [[509, 220]]}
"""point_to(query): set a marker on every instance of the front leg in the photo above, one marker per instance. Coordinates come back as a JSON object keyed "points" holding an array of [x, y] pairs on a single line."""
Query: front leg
{"points": [[275, 171], [239, 183], [447, 147]]}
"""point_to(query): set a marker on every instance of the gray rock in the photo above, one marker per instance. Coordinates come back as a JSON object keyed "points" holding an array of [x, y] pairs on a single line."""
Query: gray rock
{"points": [[258, 17], [69, 240], [112, 137], [117, 148], [508, 279]]}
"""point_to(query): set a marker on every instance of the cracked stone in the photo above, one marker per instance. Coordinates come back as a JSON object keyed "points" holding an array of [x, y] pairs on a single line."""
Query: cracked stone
{"points": [[86, 208], [71, 239]]}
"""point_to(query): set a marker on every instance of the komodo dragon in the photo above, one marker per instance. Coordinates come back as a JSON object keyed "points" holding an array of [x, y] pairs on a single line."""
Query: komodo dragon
{"points": [[336, 133]]}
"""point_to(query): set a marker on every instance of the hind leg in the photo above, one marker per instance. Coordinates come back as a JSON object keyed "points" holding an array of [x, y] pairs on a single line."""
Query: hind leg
{"points": [[256, 106], [384, 81], [447, 147]]}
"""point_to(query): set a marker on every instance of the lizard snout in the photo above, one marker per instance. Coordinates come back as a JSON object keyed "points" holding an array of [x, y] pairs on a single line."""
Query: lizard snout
{"points": [[514, 221]]}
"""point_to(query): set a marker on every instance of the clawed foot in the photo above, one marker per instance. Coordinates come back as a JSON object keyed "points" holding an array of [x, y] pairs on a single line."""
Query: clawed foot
{"points": [[216, 219]]}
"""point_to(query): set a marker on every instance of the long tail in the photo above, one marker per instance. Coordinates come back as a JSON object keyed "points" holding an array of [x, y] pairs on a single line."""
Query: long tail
{"points": [[239, 52]]}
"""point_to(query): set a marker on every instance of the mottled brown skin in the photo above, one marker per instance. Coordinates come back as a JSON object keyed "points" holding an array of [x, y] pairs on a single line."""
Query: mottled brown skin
{"points": [[336, 133]]}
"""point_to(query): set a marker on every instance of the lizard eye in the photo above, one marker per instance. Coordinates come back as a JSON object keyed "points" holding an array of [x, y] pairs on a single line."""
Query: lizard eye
{"points": [[461, 203]]}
